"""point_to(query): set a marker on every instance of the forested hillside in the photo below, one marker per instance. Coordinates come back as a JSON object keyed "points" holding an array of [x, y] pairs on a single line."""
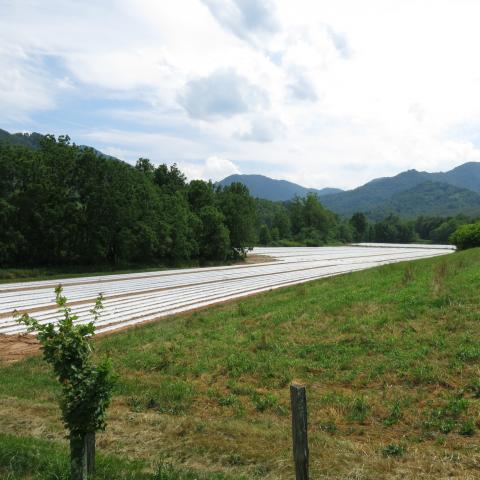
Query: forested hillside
{"points": [[464, 176], [31, 140], [413, 193], [61, 205]]}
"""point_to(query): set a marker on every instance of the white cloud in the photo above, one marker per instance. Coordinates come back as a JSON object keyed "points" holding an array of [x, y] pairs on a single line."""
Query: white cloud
{"points": [[24, 87], [248, 19], [262, 129], [213, 168], [323, 93], [302, 89], [222, 94]]}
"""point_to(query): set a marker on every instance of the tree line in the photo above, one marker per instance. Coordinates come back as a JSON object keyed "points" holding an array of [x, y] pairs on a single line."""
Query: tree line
{"points": [[62, 204], [303, 221], [67, 205]]}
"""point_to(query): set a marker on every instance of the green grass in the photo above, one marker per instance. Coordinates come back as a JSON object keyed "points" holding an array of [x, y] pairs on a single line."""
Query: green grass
{"points": [[36, 459], [390, 358]]}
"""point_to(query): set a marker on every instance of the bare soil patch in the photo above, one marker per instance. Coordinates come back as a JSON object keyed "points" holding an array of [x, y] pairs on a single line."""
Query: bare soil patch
{"points": [[14, 348], [259, 259]]}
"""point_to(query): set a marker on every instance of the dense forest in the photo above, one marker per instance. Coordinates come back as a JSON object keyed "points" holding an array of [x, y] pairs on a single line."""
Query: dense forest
{"points": [[291, 223], [61, 204], [67, 205]]}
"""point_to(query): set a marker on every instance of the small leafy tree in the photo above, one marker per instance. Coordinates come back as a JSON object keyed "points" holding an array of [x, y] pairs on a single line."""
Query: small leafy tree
{"points": [[466, 236], [86, 387]]}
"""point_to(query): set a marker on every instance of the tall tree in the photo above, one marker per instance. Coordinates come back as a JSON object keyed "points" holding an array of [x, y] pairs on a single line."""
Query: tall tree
{"points": [[359, 223], [240, 216]]}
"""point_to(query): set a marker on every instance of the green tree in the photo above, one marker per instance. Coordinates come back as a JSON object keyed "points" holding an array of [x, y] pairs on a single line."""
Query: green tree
{"points": [[170, 179], [281, 221], [359, 223], [344, 232], [181, 240], [310, 221], [295, 210], [424, 226], [86, 388], [238, 208], [214, 238], [145, 166], [275, 234], [264, 236], [393, 230], [442, 233], [466, 236], [200, 194]]}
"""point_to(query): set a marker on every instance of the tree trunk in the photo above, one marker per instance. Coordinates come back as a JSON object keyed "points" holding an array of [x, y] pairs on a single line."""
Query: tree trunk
{"points": [[78, 456], [90, 441]]}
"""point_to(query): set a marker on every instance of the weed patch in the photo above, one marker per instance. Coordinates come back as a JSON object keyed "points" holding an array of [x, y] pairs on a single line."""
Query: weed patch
{"points": [[393, 450]]}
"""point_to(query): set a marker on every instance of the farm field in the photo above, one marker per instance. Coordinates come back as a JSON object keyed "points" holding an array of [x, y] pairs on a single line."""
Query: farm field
{"points": [[389, 356], [139, 297]]}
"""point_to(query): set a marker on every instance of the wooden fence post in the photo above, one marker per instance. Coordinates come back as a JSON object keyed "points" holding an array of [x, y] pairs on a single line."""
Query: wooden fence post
{"points": [[298, 400], [90, 445], [78, 457]]}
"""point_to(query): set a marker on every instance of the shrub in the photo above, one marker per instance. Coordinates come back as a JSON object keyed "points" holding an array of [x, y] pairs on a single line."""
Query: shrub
{"points": [[466, 236], [86, 387]]}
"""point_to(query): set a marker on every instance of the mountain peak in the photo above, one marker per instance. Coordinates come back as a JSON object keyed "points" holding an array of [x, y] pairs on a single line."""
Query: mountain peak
{"points": [[261, 186]]}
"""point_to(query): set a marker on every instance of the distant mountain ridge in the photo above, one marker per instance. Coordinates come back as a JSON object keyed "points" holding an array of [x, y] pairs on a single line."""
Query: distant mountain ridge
{"points": [[412, 193], [430, 198], [32, 140], [275, 190], [408, 194]]}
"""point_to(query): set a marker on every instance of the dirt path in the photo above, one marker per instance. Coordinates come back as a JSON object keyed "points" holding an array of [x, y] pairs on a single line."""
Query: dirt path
{"points": [[16, 347]]}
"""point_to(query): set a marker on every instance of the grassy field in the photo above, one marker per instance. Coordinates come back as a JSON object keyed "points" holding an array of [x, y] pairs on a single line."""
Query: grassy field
{"points": [[390, 357]]}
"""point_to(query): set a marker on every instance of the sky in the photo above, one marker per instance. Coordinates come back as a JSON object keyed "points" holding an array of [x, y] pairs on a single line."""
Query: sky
{"points": [[321, 93]]}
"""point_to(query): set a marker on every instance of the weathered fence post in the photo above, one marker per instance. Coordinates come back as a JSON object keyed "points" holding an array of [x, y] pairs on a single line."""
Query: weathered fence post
{"points": [[78, 456], [298, 400], [90, 445]]}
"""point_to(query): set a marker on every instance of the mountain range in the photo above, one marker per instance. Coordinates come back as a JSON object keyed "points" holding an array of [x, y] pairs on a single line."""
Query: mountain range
{"points": [[407, 194], [261, 186]]}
